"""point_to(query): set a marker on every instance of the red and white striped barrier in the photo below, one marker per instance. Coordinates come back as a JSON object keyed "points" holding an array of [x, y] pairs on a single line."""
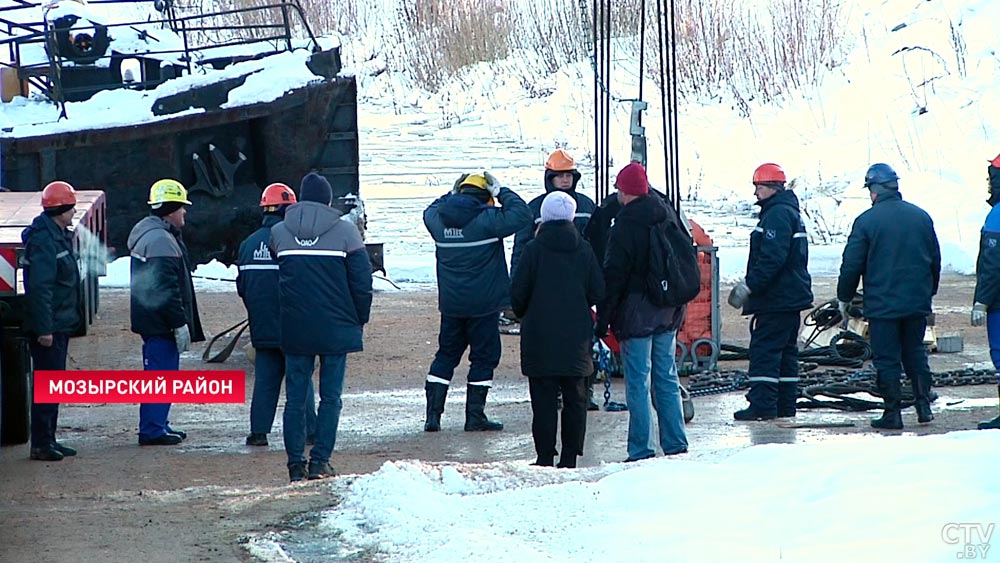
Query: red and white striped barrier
{"points": [[8, 269]]}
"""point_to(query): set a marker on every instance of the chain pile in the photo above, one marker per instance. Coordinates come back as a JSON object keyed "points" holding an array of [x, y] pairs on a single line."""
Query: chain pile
{"points": [[837, 384]]}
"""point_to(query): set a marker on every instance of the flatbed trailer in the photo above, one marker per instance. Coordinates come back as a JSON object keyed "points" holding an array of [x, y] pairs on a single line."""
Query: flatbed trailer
{"points": [[17, 211]]}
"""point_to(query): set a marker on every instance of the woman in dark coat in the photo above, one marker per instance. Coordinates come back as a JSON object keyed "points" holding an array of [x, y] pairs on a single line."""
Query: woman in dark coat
{"points": [[557, 280]]}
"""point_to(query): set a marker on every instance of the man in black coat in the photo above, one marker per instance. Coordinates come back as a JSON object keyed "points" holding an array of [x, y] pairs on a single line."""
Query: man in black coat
{"points": [[776, 290], [893, 246], [647, 333], [552, 291], [52, 286]]}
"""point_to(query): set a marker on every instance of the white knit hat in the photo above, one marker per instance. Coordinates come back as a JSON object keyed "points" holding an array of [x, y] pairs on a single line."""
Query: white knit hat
{"points": [[558, 206]]}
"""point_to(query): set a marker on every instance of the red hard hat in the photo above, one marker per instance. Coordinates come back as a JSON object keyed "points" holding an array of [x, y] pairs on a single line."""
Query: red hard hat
{"points": [[767, 173], [57, 194], [560, 161], [277, 194], [995, 163]]}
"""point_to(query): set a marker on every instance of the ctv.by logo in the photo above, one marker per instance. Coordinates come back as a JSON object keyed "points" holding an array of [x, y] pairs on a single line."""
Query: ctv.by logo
{"points": [[972, 538]]}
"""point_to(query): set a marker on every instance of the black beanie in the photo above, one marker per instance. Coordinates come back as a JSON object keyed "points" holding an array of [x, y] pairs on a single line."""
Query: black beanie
{"points": [[315, 188], [167, 208]]}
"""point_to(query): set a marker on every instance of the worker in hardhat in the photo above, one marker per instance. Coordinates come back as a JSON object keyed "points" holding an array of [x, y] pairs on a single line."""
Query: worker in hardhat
{"points": [[52, 289], [775, 291], [164, 310], [473, 287], [894, 248], [257, 285], [986, 304]]}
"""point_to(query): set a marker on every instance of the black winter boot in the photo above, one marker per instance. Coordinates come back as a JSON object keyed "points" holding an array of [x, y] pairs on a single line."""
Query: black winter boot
{"points": [[890, 390], [924, 414], [991, 424], [921, 386], [475, 418], [788, 393], [436, 394], [890, 420]]}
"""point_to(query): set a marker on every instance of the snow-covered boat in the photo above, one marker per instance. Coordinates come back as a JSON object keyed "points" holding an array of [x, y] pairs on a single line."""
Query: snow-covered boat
{"points": [[116, 94]]}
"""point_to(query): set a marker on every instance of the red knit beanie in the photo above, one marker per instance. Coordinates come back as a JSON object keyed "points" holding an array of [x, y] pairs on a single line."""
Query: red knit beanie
{"points": [[632, 180]]}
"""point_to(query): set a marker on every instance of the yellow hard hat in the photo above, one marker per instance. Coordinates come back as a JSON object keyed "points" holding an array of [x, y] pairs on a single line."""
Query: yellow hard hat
{"points": [[167, 191], [475, 180]]}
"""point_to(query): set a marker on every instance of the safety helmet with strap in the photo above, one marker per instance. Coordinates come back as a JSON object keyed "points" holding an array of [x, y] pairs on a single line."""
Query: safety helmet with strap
{"points": [[57, 194], [277, 194], [167, 191]]}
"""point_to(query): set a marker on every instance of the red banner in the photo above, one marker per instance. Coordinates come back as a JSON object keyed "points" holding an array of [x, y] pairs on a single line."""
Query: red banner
{"points": [[185, 386]]}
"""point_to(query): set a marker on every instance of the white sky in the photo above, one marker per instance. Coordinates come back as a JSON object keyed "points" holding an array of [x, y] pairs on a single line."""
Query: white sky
{"points": [[866, 498]]}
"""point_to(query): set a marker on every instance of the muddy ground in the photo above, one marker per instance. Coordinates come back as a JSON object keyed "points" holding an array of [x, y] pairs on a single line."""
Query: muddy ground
{"points": [[117, 501]]}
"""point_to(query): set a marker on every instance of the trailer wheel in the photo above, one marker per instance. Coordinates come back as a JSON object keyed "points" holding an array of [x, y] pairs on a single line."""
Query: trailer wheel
{"points": [[15, 378]]}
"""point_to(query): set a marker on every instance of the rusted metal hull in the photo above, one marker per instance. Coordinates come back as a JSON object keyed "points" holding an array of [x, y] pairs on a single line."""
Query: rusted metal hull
{"points": [[225, 157]]}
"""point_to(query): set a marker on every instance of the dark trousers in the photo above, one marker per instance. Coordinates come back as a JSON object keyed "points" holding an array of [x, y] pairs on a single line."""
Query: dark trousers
{"points": [[268, 373], [895, 342], [774, 360], [545, 414], [159, 353], [44, 416], [481, 335]]}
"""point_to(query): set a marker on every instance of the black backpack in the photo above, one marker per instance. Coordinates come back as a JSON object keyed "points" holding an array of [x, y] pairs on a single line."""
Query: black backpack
{"points": [[674, 276]]}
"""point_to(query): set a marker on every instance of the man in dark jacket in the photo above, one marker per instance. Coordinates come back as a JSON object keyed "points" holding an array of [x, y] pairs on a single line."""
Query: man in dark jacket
{"points": [[777, 288], [560, 175], [893, 246], [257, 285], [325, 288], [52, 286], [473, 287], [552, 291], [647, 333], [986, 304], [164, 310]]}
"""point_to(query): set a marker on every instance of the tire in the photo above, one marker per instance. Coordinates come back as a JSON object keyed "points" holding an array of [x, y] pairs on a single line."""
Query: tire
{"points": [[15, 380]]}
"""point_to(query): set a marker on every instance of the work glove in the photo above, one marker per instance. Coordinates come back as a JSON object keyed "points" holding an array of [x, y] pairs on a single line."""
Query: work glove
{"points": [[492, 184], [182, 336], [842, 309], [978, 314], [458, 183], [739, 295]]}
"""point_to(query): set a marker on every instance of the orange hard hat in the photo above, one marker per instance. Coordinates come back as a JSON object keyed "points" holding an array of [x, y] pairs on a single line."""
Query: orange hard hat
{"points": [[57, 194], [768, 173], [560, 161], [277, 194]]}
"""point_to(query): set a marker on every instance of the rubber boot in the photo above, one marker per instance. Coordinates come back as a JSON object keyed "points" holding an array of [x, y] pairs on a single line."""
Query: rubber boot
{"points": [[921, 396], [475, 403], [891, 419], [788, 393], [436, 394], [763, 397], [991, 424]]}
